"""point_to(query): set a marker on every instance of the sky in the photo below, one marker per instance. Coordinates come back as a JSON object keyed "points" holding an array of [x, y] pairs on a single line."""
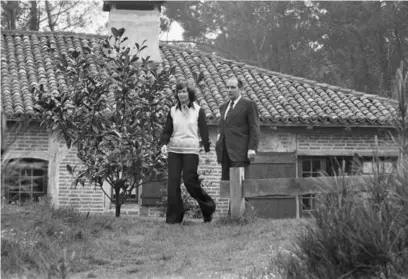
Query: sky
{"points": [[98, 16], [175, 33]]}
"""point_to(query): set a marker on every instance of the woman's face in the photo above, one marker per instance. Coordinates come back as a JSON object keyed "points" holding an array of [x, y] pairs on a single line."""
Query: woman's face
{"points": [[183, 95]]}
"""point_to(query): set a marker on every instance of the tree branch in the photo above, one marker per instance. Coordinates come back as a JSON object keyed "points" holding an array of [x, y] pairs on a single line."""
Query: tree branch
{"points": [[67, 9], [59, 12], [49, 16], [215, 47], [106, 194]]}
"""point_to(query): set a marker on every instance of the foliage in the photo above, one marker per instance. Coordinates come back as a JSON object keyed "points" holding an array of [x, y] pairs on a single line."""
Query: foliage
{"points": [[359, 230], [109, 247], [352, 44], [47, 15], [41, 247], [401, 119], [112, 112]]}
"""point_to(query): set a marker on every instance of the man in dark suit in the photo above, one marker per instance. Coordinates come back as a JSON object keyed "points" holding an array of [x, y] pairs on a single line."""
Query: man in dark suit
{"points": [[238, 130]]}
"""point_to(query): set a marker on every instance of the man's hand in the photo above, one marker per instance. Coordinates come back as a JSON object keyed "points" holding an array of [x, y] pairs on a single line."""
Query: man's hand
{"points": [[218, 137], [251, 154], [164, 149]]}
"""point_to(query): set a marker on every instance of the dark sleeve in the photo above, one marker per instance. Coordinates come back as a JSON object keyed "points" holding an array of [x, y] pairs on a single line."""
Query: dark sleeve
{"points": [[167, 130], [254, 129], [202, 126]]}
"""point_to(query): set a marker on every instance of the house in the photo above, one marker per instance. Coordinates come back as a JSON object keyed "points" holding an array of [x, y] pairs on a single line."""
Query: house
{"points": [[306, 126]]}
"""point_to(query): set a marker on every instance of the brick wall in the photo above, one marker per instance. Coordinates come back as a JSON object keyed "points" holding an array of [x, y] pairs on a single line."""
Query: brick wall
{"points": [[211, 171], [34, 138], [341, 142], [34, 142], [84, 198]]}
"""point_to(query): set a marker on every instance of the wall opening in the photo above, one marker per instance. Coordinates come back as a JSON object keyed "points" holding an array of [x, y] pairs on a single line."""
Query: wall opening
{"points": [[25, 179], [315, 166]]}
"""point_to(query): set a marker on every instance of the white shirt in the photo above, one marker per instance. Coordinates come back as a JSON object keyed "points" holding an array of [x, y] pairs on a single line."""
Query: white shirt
{"points": [[229, 105]]}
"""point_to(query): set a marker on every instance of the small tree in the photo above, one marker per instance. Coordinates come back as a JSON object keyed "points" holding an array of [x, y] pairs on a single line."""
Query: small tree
{"points": [[112, 112]]}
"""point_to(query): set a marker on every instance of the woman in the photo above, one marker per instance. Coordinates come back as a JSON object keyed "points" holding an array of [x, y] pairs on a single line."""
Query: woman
{"points": [[180, 139]]}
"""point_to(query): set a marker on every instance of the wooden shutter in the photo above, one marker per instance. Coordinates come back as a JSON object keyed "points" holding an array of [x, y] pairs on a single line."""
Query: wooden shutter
{"points": [[272, 165], [269, 165], [152, 193]]}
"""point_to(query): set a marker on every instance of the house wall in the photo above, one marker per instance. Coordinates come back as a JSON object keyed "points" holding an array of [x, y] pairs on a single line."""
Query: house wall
{"points": [[30, 141], [35, 142]]}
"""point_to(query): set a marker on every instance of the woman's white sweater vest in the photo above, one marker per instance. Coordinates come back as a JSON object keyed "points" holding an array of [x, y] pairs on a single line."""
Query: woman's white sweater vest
{"points": [[185, 138]]}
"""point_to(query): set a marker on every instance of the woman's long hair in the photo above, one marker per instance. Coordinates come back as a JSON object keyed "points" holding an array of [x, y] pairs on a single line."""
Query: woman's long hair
{"points": [[191, 93]]}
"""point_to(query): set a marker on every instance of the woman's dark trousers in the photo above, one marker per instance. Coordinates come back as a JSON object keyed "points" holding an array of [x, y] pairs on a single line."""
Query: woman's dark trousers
{"points": [[188, 164]]}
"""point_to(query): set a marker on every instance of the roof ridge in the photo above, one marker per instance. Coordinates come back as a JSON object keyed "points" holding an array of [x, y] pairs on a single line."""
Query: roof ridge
{"points": [[344, 90], [45, 33]]}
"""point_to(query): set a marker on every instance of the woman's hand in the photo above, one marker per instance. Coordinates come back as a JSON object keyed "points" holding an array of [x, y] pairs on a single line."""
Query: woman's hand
{"points": [[164, 149]]}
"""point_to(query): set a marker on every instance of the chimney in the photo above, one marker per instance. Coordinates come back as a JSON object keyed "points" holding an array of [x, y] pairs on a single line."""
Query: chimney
{"points": [[141, 20]]}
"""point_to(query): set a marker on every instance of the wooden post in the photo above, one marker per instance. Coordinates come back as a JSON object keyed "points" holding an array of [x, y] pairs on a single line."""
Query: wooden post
{"points": [[236, 192], [297, 206]]}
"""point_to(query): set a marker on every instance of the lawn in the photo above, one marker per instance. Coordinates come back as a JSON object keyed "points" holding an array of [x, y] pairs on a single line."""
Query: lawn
{"points": [[34, 237]]}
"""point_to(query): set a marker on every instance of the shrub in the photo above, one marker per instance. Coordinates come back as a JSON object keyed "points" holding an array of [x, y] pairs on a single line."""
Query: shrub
{"points": [[360, 229], [41, 248], [355, 235]]}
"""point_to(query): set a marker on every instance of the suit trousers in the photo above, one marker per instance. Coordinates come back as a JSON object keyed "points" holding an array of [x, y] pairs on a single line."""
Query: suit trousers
{"points": [[188, 165], [226, 163]]}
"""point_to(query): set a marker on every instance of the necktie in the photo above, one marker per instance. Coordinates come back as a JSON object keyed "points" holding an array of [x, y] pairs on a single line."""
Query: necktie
{"points": [[230, 109]]}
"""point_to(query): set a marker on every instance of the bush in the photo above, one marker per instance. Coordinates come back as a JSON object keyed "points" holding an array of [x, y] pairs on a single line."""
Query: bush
{"points": [[41, 248], [359, 230], [354, 235]]}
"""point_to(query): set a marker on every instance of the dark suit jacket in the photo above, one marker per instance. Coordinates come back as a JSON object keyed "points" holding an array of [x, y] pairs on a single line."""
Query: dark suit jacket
{"points": [[240, 131]]}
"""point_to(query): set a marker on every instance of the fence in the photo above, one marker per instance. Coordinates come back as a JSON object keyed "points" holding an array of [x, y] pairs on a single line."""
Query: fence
{"points": [[239, 188]]}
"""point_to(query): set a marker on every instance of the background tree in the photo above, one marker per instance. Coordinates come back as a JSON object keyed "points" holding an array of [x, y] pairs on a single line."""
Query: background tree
{"points": [[49, 15], [112, 112], [357, 45]]}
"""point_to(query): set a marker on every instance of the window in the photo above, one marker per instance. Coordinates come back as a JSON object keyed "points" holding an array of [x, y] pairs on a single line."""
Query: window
{"points": [[370, 167], [132, 198], [340, 165], [308, 202], [311, 167], [331, 165], [26, 179]]}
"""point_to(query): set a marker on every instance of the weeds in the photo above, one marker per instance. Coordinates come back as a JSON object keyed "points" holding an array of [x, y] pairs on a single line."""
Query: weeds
{"points": [[359, 230], [42, 247]]}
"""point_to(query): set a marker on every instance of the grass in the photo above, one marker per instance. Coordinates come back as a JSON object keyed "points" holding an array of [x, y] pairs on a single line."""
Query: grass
{"points": [[40, 242]]}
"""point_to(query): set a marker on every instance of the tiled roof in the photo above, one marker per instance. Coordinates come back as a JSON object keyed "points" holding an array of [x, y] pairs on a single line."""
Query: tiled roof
{"points": [[281, 99]]}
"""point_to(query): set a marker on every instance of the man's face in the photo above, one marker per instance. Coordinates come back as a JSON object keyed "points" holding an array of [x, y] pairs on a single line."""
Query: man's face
{"points": [[233, 90]]}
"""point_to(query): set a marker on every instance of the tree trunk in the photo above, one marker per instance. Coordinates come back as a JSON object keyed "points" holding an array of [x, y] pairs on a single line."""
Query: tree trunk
{"points": [[288, 64], [49, 16], [34, 16], [13, 6], [118, 203]]}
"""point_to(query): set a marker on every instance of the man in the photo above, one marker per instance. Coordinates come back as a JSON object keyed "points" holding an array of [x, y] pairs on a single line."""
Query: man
{"points": [[238, 130]]}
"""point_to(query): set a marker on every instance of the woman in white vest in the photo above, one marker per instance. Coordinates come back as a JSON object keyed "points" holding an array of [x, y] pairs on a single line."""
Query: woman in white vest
{"points": [[181, 141]]}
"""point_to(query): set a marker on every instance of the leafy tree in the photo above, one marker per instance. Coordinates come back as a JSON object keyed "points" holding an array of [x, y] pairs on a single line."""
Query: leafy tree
{"points": [[401, 119], [47, 15], [353, 44], [112, 112]]}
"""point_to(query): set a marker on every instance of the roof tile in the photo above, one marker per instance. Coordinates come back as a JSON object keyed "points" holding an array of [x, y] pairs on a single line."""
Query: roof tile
{"points": [[280, 98]]}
